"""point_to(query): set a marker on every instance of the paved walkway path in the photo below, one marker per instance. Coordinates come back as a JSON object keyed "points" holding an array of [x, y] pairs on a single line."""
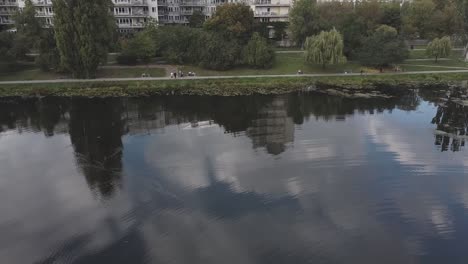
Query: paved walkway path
{"points": [[435, 66], [465, 70]]}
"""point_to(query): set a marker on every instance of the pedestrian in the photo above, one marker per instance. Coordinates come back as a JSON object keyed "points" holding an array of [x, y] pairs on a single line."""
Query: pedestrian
{"points": [[175, 75], [172, 75]]}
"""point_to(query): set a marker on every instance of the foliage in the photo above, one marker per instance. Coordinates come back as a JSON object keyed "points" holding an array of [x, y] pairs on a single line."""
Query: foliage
{"points": [[304, 20], [83, 31], [49, 57], [197, 19], [439, 48], [179, 44], [219, 52], [417, 19], [28, 25], [383, 47], [144, 45], [258, 53], [7, 58], [325, 48], [233, 20]]}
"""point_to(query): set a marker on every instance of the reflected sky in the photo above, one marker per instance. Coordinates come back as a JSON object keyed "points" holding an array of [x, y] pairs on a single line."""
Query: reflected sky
{"points": [[301, 178]]}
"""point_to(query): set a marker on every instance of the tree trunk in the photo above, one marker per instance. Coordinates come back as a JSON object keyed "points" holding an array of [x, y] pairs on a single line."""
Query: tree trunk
{"points": [[466, 52]]}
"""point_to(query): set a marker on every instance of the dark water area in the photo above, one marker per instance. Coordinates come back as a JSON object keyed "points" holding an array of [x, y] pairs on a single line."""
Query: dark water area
{"points": [[299, 178]]}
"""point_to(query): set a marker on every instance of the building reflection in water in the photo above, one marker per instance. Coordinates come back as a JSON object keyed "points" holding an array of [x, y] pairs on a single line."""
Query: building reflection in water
{"points": [[166, 218], [96, 126]]}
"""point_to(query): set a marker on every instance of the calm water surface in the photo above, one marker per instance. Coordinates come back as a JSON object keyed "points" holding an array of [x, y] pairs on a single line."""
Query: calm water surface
{"points": [[302, 178]]}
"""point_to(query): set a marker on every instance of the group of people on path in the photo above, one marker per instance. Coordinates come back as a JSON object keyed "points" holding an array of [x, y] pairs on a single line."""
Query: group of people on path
{"points": [[181, 74]]}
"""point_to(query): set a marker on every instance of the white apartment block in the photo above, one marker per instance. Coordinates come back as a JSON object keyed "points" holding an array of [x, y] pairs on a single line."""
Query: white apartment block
{"points": [[132, 15]]}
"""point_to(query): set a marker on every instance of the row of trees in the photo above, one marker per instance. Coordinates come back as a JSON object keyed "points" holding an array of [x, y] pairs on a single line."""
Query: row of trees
{"points": [[226, 40], [84, 31], [358, 21], [78, 43], [381, 48]]}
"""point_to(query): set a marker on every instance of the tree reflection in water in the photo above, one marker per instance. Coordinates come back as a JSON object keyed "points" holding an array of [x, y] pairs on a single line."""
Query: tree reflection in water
{"points": [[96, 126], [96, 129]]}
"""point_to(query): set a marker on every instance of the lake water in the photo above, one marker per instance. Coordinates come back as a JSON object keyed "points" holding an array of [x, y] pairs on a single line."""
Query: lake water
{"points": [[299, 178]]}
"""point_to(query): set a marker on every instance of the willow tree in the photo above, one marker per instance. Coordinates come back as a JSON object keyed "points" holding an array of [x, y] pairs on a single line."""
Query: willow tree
{"points": [[83, 32], [439, 48], [325, 48]]}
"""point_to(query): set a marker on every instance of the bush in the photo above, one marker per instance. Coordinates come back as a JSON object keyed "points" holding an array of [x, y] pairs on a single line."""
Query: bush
{"points": [[219, 53], [258, 53], [127, 59], [383, 47]]}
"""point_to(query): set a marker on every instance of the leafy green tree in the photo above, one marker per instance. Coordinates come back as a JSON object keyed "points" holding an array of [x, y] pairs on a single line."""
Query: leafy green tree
{"points": [[439, 48], [391, 15], [233, 21], [218, 52], [370, 12], [334, 13], [83, 31], [304, 20], [354, 31], [418, 19], [7, 58], [258, 53], [49, 57], [197, 19], [383, 47], [325, 48], [28, 25], [143, 45], [179, 44]]}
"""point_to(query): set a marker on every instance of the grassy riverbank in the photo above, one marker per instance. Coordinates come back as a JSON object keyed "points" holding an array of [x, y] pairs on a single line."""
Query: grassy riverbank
{"points": [[227, 87]]}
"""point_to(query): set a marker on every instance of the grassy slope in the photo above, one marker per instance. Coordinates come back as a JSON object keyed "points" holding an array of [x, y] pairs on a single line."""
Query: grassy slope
{"points": [[227, 87]]}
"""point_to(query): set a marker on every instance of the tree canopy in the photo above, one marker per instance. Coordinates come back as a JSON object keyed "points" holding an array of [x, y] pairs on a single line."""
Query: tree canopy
{"points": [[83, 31], [233, 20], [197, 19], [384, 47], [258, 53], [304, 20], [439, 48], [325, 48]]}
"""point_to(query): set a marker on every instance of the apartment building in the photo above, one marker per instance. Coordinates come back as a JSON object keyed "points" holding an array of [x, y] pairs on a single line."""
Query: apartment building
{"points": [[7, 9], [133, 15]]}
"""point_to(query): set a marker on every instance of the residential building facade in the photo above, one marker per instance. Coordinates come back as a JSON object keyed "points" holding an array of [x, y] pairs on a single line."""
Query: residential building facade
{"points": [[133, 15]]}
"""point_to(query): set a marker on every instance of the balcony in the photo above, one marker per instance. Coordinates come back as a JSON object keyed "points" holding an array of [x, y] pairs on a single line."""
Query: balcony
{"points": [[133, 14], [7, 3], [269, 3], [132, 3], [43, 3], [269, 14], [192, 3], [134, 25]]}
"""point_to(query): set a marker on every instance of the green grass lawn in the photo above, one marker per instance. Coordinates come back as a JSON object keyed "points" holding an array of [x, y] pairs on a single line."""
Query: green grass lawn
{"points": [[444, 63], [130, 72], [29, 74], [285, 63], [36, 74], [421, 54]]}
